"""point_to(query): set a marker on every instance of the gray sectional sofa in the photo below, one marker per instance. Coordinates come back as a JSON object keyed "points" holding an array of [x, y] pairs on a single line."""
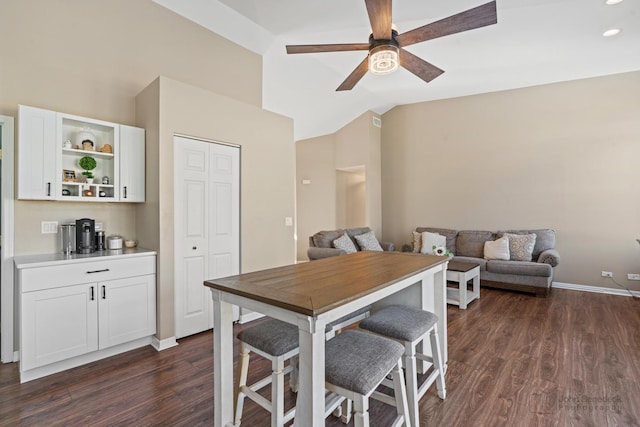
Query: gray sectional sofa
{"points": [[533, 276], [321, 243]]}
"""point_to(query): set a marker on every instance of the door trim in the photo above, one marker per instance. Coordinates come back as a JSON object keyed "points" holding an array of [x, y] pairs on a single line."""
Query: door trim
{"points": [[8, 241]]}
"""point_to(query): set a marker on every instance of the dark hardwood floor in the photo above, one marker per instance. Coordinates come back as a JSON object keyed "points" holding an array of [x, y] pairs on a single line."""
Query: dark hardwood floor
{"points": [[572, 359]]}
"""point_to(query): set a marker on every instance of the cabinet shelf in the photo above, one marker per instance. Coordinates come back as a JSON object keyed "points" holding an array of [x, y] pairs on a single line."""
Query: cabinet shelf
{"points": [[82, 153]]}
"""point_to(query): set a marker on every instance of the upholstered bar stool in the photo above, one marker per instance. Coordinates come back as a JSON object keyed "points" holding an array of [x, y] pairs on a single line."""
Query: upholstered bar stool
{"points": [[277, 341], [410, 326], [355, 365]]}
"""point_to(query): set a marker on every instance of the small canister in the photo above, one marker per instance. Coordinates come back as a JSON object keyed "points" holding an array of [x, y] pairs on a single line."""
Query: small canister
{"points": [[114, 242], [101, 241]]}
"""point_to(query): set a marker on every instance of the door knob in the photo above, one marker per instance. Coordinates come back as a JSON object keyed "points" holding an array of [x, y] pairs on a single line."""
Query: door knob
{"points": [[194, 248]]}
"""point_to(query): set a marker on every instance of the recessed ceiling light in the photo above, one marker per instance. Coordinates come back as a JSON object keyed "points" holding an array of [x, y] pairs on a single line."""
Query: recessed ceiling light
{"points": [[612, 32], [612, 2]]}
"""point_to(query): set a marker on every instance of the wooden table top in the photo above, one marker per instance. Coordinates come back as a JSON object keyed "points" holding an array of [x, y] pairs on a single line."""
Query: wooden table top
{"points": [[462, 266], [314, 287]]}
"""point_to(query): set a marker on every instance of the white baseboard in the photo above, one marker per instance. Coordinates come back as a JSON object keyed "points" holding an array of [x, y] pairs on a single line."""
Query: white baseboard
{"points": [[248, 317], [596, 289], [164, 344]]}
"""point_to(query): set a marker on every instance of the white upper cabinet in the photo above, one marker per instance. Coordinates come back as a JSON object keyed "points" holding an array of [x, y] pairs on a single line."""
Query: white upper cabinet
{"points": [[79, 138], [132, 164], [72, 158], [37, 177]]}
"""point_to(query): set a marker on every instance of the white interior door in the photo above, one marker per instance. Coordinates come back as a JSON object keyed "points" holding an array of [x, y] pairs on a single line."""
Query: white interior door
{"points": [[224, 202], [207, 232]]}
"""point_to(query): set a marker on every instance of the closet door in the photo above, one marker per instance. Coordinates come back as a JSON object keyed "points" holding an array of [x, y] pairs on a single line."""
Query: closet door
{"points": [[207, 231], [224, 203]]}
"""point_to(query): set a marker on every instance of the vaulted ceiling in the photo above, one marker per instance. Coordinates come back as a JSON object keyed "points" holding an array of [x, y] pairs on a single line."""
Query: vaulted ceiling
{"points": [[534, 42]]}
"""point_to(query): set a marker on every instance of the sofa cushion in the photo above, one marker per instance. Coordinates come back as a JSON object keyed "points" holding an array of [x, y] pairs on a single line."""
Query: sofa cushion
{"points": [[522, 268], [521, 246], [545, 239], [471, 242], [368, 242], [344, 242], [497, 249], [450, 234], [324, 239]]}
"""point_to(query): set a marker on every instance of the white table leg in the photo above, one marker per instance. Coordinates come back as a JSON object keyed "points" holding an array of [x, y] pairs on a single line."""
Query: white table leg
{"points": [[222, 361], [440, 310], [476, 283], [310, 401], [462, 286]]}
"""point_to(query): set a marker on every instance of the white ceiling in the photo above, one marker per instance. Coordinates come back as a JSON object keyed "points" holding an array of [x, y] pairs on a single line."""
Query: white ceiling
{"points": [[534, 42]]}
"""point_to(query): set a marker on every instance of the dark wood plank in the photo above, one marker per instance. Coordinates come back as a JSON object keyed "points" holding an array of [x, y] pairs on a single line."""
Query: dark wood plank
{"points": [[514, 359]]}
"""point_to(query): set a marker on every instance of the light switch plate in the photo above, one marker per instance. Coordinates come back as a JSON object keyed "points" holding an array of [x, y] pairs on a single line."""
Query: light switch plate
{"points": [[49, 227]]}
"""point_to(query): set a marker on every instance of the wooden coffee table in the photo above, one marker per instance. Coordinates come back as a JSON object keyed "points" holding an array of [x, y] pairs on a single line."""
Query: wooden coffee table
{"points": [[461, 272]]}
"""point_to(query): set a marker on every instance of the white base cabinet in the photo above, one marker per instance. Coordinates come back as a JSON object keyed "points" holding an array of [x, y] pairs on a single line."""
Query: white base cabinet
{"points": [[64, 325]]}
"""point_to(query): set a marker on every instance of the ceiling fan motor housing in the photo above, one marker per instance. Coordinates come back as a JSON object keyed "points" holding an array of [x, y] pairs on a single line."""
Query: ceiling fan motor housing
{"points": [[383, 54]]}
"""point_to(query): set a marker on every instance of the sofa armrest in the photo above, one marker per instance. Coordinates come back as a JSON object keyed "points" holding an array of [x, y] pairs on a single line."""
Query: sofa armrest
{"points": [[388, 246], [319, 253], [550, 256]]}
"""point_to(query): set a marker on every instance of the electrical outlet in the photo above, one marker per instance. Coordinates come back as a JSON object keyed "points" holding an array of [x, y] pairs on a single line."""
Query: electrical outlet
{"points": [[49, 227], [632, 276], [98, 226], [607, 274]]}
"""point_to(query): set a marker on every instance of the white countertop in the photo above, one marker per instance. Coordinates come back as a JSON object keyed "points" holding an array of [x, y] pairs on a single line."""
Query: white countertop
{"points": [[44, 260]]}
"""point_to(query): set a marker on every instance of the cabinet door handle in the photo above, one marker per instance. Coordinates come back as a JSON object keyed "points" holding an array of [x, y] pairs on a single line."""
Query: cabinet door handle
{"points": [[48, 189], [194, 248], [104, 292], [97, 271], [125, 191], [92, 297]]}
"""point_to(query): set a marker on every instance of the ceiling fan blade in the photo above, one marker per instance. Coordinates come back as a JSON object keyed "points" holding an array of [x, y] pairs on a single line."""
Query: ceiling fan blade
{"points": [[380, 17], [315, 48], [419, 66], [355, 75], [477, 17]]}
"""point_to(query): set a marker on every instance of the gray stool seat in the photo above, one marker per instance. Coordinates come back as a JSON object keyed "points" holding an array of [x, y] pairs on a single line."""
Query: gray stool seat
{"points": [[412, 326], [400, 322], [358, 361], [273, 337]]}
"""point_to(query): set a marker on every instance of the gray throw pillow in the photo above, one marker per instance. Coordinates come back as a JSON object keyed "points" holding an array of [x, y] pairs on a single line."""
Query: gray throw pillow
{"points": [[344, 242], [368, 242]]}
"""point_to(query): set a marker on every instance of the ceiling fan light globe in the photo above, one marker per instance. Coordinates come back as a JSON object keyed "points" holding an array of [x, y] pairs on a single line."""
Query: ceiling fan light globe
{"points": [[383, 59]]}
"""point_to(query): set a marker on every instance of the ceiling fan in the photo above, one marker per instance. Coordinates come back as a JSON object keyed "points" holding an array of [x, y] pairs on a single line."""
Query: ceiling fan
{"points": [[385, 45]]}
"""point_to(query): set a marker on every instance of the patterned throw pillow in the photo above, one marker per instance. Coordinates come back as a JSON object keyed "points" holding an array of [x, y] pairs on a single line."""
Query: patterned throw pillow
{"points": [[368, 242], [344, 242], [417, 241], [521, 246]]}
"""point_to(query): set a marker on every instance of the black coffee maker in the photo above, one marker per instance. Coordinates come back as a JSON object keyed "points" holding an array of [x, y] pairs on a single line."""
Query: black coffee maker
{"points": [[85, 236]]}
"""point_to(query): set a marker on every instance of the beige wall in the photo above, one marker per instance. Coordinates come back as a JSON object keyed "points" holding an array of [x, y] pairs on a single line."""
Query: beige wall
{"points": [[267, 189], [91, 58], [563, 156], [354, 147], [316, 201], [351, 198]]}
